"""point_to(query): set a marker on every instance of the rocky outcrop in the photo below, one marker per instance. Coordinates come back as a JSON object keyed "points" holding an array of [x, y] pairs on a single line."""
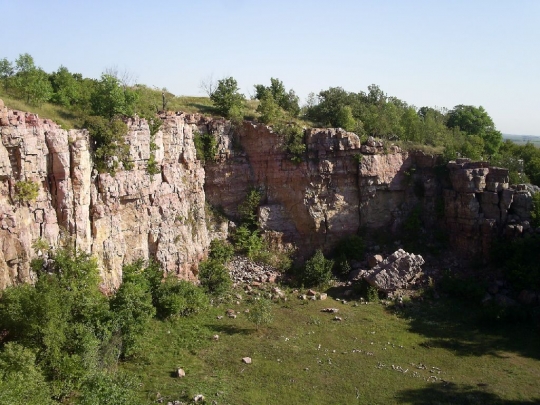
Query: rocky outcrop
{"points": [[340, 186], [481, 205], [395, 272], [117, 219]]}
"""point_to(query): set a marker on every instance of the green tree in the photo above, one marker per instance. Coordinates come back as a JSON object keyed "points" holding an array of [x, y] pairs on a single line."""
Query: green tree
{"points": [[6, 72], [133, 311], [31, 82], [288, 101], [345, 119], [21, 380], [269, 109], [476, 121], [214, 277], [110, 99], [227, 98], [65, 87], [317, 270]]}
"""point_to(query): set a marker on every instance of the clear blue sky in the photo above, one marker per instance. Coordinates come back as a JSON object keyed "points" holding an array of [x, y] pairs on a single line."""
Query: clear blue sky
{"points": [[435, 53]]}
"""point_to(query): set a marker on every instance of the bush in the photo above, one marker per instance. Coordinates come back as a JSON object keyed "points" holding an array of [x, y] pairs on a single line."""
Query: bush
{"points": [[108, 143], [133, 311], [221, 251], [293, 140], [214, 277], [468, 288], [261, 312], [317, 270], [248, 209], [205, 147], [535, 213], [248, 242], [349, 248], [26, 190], [179, 298], [227, 98], [519, 260]]}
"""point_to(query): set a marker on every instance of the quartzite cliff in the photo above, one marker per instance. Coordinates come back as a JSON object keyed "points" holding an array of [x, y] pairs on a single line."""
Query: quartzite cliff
{"points": [[340, 187]]}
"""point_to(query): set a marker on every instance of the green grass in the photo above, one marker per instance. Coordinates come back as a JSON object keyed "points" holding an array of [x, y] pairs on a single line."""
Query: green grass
{"points": [[305, 356], [69, 119], [58, 114]]}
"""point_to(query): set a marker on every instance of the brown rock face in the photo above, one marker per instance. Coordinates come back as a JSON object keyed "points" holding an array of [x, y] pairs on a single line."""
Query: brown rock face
{"points": [[118, 219], [338, 188], [480, 205]]}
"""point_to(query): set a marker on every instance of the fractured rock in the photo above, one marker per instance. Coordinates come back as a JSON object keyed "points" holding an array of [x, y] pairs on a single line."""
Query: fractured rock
{"points": [[396, 271]]}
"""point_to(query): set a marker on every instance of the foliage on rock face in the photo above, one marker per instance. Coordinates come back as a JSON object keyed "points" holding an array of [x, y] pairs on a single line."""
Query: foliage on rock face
{"points": [[247, 210], [108, 143], [26, 190], [227, 98], [317, 270], [535, 212], [206, 147], [293, 140]]}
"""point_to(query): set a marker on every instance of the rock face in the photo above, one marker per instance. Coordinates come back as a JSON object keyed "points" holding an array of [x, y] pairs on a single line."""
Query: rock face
{"points": [[395, 272], [315, 203], [339, 187], [480, 205], [117, 219]]}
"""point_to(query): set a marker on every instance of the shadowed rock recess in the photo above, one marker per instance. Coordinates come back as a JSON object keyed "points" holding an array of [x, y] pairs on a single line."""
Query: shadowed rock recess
{"points": [[340, 187]]}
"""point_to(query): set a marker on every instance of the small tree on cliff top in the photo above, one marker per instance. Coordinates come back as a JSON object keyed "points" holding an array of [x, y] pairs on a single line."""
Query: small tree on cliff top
{"points": [[227, 98]]}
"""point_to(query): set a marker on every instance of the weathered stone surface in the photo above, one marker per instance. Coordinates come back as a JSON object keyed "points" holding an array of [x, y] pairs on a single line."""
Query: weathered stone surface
{"points": [[395, 272], [117, 219]]}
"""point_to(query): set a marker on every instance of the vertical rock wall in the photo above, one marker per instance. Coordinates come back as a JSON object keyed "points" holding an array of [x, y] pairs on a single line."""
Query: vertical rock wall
{"points": [[340, 187], [118, 219]]}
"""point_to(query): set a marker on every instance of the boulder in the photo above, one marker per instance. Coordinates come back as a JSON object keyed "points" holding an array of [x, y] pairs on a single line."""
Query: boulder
{"points": [[374, 260], [396, 271]]}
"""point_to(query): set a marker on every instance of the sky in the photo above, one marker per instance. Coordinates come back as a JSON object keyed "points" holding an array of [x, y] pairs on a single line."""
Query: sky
{"points": [[437, 53]]}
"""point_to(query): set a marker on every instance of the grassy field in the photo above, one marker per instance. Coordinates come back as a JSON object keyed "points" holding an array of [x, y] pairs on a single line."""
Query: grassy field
{"points": [[434, 352]]}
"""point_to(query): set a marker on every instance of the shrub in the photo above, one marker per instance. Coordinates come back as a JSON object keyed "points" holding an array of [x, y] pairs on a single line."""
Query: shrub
{"points": [[227, 98], [133, 310], [293, 140], [26, 190], [179, 298], [21, 380], [248, 208], [317, 270], [108, 143], [468, 288], [535, 213], [221, 251], [205, 147], [248, 242], [351, 247], [214, 277], [261, 312]]}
